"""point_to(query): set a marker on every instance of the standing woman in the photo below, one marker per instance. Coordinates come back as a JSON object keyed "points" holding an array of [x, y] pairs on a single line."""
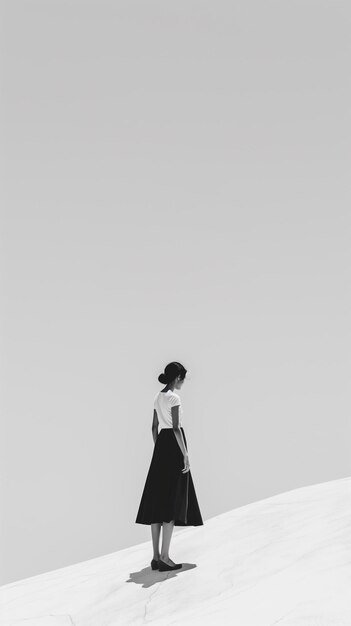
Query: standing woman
{"points": [[169, 497]]}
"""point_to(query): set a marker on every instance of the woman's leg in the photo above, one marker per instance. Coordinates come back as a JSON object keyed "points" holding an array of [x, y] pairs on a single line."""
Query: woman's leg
{"points": [[166, 540], [155, 531]]}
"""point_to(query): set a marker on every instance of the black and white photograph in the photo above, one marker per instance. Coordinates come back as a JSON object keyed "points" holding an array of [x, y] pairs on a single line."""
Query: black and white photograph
{"points": [[175, 292]]}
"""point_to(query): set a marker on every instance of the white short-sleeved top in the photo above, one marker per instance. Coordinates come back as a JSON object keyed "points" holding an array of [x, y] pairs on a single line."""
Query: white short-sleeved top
{"points": [[163, 403]]}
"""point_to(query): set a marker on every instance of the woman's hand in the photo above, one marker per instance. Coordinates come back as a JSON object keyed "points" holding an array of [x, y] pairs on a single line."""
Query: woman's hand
{"points": [[186, 467]]}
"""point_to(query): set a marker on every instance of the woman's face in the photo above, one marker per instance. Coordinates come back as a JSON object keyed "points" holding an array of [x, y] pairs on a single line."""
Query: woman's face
{"points": [[179, 383]]}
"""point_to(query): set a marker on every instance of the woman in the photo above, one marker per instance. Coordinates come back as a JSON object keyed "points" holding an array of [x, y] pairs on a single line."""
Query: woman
{"points": [[169, 497]]}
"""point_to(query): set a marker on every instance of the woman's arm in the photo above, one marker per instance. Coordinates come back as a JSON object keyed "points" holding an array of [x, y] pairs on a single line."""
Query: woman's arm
{"points": [[176, 429], [154, 427]]}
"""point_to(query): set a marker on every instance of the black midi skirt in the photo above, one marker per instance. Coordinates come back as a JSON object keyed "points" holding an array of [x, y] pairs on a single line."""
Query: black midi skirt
{"points": [[169, 494]]}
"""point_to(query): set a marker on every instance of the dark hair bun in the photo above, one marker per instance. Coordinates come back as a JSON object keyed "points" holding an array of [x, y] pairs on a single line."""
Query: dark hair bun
{"points": [[172, 371]]}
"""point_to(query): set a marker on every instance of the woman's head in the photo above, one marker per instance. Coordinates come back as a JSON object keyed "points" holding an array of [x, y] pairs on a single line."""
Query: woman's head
{"points": [[174, 374]]}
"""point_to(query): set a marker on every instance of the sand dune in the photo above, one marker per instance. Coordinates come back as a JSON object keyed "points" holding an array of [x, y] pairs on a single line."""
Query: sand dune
{"points": [[283, 560]]}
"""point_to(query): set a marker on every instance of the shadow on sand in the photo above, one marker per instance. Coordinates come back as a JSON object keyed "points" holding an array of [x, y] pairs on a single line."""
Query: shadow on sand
{"points": [[148, 577]]}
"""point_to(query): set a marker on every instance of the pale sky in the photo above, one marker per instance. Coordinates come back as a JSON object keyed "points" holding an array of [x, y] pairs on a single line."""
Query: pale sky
{"points": [[176, 184]]}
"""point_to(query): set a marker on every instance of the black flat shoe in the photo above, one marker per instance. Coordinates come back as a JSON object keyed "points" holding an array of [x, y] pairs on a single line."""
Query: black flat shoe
{"points": [[164, 567], [154, 564]]}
